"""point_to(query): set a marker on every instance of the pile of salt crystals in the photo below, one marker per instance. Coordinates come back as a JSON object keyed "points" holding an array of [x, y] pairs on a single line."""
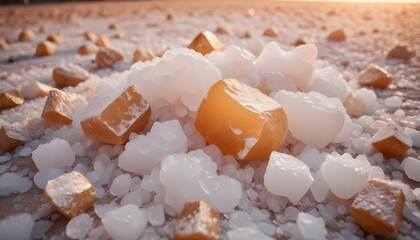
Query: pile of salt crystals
{"points": [[166, 163]]}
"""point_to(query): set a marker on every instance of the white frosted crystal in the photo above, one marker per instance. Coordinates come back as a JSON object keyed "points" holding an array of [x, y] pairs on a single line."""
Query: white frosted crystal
{"points": [[411, 167], [239, 219], [16, 227], [156, 215], [377, 172], [121, 185], [79, 226], [312, 157], [329, 82], [56, 154], [291, 213], [145, 152], [25, 152], [191, 177], [311, 228], [369, 100], [126, 223], [312, 118], [13, 183], [319, 187], [346, 175], [247, 233], [296, 65], [174, 77], [284, 169], [393, 102], [276, 81], [132, 198], [43, 176]]}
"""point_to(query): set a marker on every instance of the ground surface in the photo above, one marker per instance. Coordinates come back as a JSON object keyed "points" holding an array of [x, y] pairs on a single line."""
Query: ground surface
{"points": [[371, 29]]}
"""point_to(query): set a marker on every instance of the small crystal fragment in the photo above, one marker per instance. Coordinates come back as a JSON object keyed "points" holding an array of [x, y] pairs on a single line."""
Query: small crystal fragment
{"points": [[60, 106], [107, 57], [35, 89], [375, 77], [337, 36], [198, 220], [392, 140], [55, 38], [88, 49], [71, 194], [45, 48], [26, 35], [401, 51], [143, 55], [271, 32], [206, 42], [102, 41], [11, 137], [11, 98], [69, 75], [90, 36]]}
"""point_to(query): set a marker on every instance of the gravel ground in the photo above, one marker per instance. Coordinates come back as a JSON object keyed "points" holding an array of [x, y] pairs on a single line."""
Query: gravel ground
{"points": [[371, 31]]}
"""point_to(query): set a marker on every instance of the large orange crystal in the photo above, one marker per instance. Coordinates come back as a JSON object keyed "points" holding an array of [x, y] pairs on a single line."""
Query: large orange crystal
{"points": [[379, 208], [114, 118], [198, 221], [392, 140], [11, 98], [60, 106], [206, 42], [11, 137], [241, 120]]}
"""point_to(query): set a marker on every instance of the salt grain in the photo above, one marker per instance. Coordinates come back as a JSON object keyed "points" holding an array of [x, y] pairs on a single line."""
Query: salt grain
{"points": [[126, 223], [79, 226]]}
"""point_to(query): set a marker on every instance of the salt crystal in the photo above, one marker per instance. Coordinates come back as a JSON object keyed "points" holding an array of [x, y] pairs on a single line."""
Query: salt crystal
{"points": [[145, 152], [126, 223], [276, 81], [247, 233], [121, 185], [330, 83], [25, 152], [13, 183], [312, 157], [311, 227], [296, 65], [79, 226], [291, 213], [312, 118], [369, 100], [102, 210], [43, 176], [393, 102], [43, 211], [267, 228], [293, 231], [377, 172], [45, 156], [283, 169], [239, 219], [344, 175], [156, 215], [6, 157], [411, 167], [18, 226], [40, 228], [319, 187]]}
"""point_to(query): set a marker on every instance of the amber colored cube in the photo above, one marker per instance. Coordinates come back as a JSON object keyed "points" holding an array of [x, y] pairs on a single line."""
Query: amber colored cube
{"points": [[102, 41], [206, 42], [113, 120], [11, 98], [375, 77], [35, 89], [69, 75], [107, 57], [241, 120], [90, 36], [60, 106], [55, 38], [45, 48], [271, 32], [143, 55], [378, 208], [71, 194], [402, 52], [11, 137], [88, 49], [392, 140], [197, 221]]}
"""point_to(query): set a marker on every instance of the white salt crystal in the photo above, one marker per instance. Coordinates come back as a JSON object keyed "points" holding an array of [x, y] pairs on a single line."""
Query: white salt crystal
{"points": [[79, 226], [276, 81], [297, 65], [18, 226], [56, 154], [411, 167], [283, 169], [6, 157], [369, 100], [156, 215], [267, 228], [78, 149], [311, 227], [126, 223], [43, 211], [13, 183], [247, 233], [312, 118], [399, 113], [346, 175], [145, 152], [102, 210], [329, 82], [327, 212], [414, 135], [132, 198], [239, 219], [25, 152], [393, 102], [121, 185], [174, 77], [293, 231], [291, 213], [40, 228], [43, 176], [319, 187], [312, 157], [377, 172], [341, 210]]}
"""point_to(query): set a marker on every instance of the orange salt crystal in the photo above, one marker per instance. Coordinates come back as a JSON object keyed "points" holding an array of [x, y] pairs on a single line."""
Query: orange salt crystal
{"points": [[222, 30], [3, 44], [113, 118], [60, 106], [113, 26], [102, 41], [378, 208], [55, 38], [35, 89], [206, 42], [11, 137], [88, 49], [375, 77], [143, 55], [107, 57], [69, 75], [241, 120], [392, 140], [354, 105], [90, 36], [71, 194], [26, 35], [45, 48], [198, 221], [271, 32], [11, 98]]}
